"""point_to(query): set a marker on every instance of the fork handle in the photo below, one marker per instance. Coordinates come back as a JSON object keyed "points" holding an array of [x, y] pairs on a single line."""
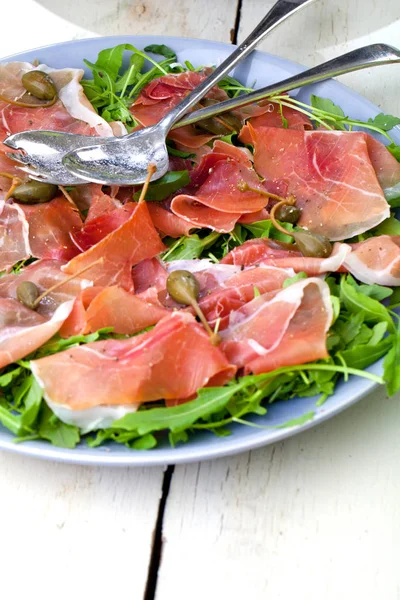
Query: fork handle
{"points": [[362, 58], [281, 10]]}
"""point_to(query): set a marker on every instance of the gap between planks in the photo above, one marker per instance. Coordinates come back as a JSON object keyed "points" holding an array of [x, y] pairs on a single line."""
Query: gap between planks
{"points": [[157, 546]]}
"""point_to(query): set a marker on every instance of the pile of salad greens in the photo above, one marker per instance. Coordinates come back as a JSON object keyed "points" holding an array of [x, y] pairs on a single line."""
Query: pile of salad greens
{"points": [[365, 328]]}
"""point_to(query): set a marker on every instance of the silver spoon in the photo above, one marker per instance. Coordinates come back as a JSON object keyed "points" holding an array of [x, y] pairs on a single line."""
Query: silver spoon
{"points": [[125, 160], [48, 152]]}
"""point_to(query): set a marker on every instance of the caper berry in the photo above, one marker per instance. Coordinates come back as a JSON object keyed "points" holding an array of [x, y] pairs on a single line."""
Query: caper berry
{"points": [[40, 85], [27, 293], [34, 192], [312, 244], [183, 287], [286, 213]]}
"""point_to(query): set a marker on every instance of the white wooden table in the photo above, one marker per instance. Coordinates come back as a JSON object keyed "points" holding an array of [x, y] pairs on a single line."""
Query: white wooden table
{"points": [[315, 517]]}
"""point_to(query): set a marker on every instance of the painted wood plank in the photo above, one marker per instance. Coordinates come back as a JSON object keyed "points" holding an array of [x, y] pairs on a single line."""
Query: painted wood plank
{"points": [[316, 516], [169, 17], [325, 29], [75, 532]]}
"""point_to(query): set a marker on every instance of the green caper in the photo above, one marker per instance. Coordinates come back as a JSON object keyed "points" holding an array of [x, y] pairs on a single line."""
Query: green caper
{"points": [[312, 244], [34, 192], [39, 84], [223, 124], [27, 293], [286, 213], [183, 287]]}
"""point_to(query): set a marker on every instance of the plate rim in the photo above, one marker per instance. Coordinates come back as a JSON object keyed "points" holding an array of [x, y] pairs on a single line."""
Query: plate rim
{"points": [[103, 456]]}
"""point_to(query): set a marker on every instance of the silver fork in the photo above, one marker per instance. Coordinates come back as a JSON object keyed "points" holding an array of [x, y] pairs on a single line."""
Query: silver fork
{"points": [[125, 160], [362, 58]]}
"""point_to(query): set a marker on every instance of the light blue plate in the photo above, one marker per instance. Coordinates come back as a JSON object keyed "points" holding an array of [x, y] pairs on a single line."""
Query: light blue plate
{"points": [[261, 69]]}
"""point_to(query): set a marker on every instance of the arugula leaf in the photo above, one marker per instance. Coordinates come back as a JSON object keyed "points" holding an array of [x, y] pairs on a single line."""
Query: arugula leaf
{"points": [[373, 290], [180, 153], [385, 122], [390, 226], [356, 302], [58, 433], [395, 150], [298, 420], [162, 50], [391, 370], [360, 357], [265, 229], [294, 279], [188, 247], [33, 401], [326, 105], [165, 186], [177, 418]]}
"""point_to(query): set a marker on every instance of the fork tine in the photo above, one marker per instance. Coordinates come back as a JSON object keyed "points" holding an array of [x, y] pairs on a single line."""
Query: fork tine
{"points": [[24, 160], [34, 174]]}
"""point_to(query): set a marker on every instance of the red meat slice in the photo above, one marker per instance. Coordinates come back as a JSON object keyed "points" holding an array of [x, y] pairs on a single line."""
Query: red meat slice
{"points": [[376, 260], [272, 118], [329, 172], [288, 329], [173, 360]]}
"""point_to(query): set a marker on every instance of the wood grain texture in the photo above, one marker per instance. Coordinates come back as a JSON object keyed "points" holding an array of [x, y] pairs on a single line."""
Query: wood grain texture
{"points": [[75, 532], [328, 28], [205, 19], [316, 516]]}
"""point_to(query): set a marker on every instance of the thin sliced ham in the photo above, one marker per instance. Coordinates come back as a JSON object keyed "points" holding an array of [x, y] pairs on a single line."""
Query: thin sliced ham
{"points": [[288, 329], [76, 322], [236, 291], [96, 229], [162, 94], [50, 225], [272, 117], [44, 274], [132, 242], [166, 222], [329, 172], [264, 251], [149, 273], [124, 312], [14, 236], [376, 260], [23, 330], [214, 199], [387, 168], [100, 203], [173, 360]]}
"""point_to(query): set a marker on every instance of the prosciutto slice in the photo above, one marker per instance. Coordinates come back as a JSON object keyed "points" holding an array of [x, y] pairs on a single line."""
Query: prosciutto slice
{"points": [[376, 260], [23, 330], [50, 226], [126, 246], [173, 360], [329, 172], [288, 329], [162, 94], [214, 199], [14, 236], [272, 117], [236, 291], [268, 252], [166, 222]]}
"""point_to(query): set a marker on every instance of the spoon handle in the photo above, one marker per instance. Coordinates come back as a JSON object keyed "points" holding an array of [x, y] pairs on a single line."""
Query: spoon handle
{"points": [[281, 10], [362, 58]]}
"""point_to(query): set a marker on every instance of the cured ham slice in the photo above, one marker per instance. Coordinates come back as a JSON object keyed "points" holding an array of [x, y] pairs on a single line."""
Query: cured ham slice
{"points": [[162, 94], [98, 228], [44, 274], [268, 252], [376, 260], [120, 250], [289, 329], [121, 310], [240, 289], [14, 236], [50, 226], [329, 172], [166, 222], [23, 330], [100, 204], [173, 360], [72, 113], [387, 168], [215, 200], [76, 322], [272, 117], [149, 273]]}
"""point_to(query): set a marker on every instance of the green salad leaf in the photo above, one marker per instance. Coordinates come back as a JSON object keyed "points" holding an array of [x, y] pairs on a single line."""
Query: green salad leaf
{"points": [[165, 186], [385, 122], [162, 50]]}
